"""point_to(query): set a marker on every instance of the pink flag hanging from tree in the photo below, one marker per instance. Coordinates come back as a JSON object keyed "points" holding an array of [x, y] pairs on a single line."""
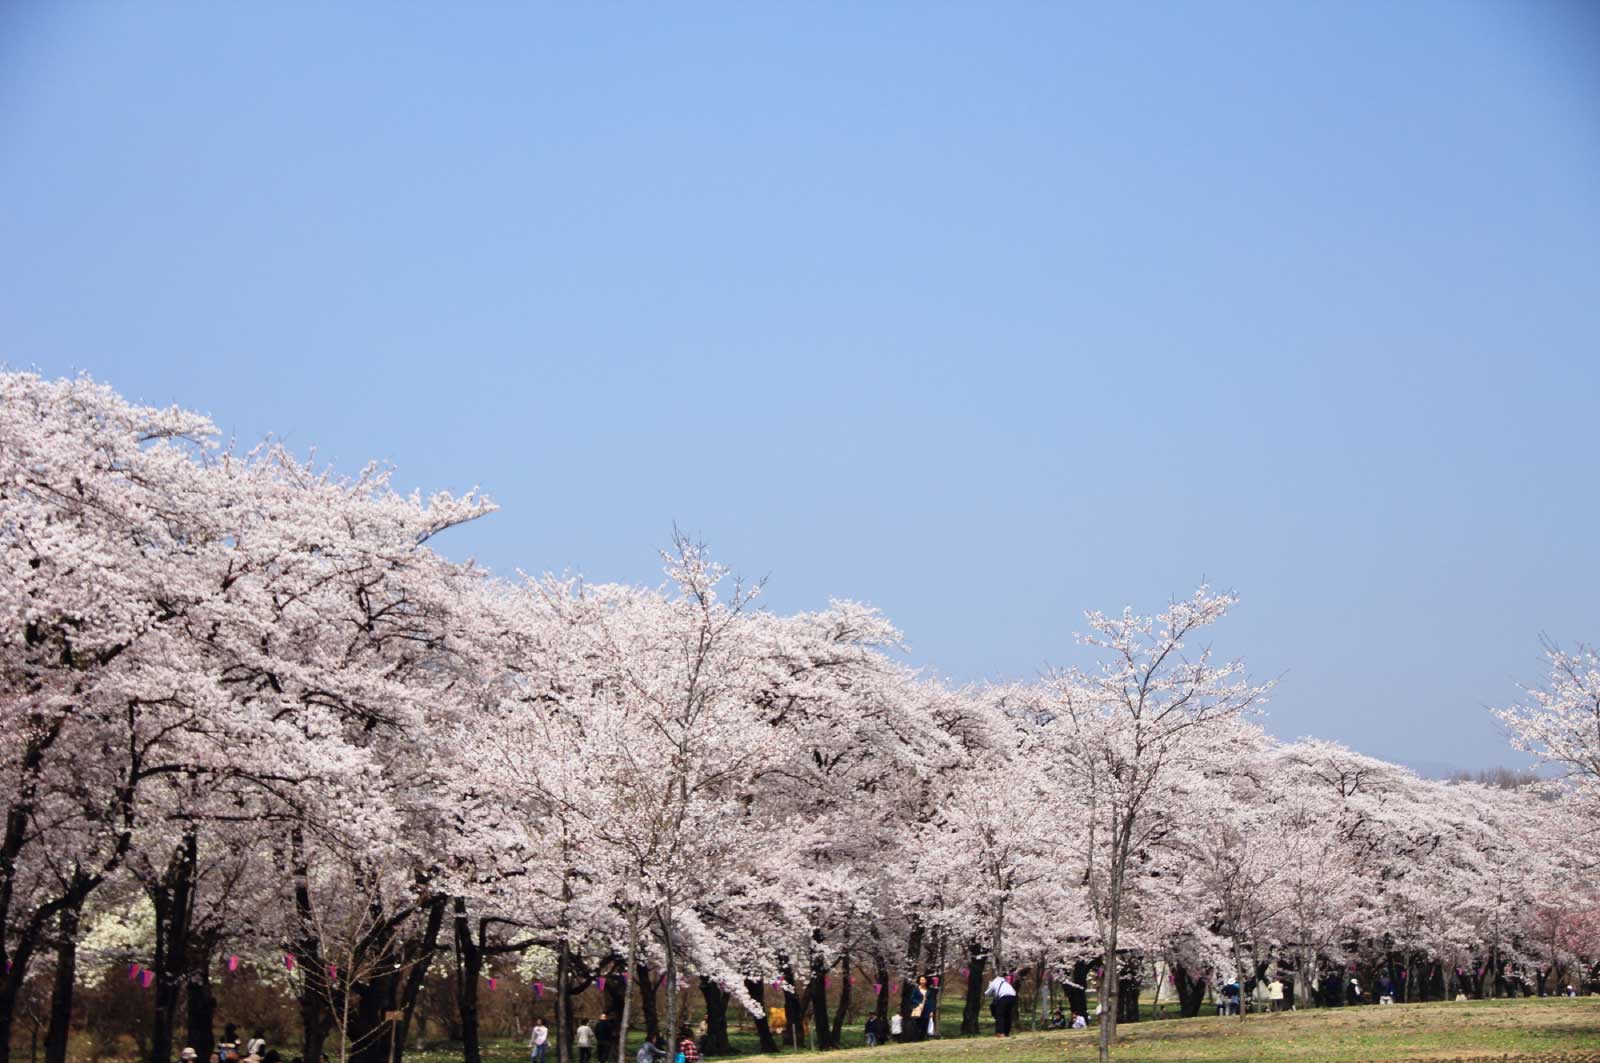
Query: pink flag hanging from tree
{"points": [[538, 990], [288, 960], [494, 983], [600, 983], [149, 977], [233, 963], [133, 970]]}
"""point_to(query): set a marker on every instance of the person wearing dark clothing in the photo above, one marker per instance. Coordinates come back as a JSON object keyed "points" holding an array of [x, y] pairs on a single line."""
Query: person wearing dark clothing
{"points": [[604, 1031], [1004, 1007], [917, 1028]]}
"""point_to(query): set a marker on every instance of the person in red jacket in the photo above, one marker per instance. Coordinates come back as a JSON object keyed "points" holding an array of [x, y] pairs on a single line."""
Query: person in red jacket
{"points": [[688, 1051]]}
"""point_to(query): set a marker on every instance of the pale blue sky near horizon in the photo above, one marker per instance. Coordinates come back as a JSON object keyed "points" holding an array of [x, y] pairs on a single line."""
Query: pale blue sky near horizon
{"points": [[983, 314]]}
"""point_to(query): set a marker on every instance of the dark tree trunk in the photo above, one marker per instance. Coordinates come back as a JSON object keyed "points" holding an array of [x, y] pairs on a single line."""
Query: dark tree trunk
{"points": [[1191, 991], [409, 982], [18, 954], [844, 1006], [616, 990], [715, 1042], [1433, 986], [791, 1007], [819, 1001], [758, 993], [880, 968], [316, 1016], [469, 967], [647, 1004], [1078, 993], [15, 972], [579, 979], [1127, 992], [200, 1007], [173, 899], [55, 1038], [908, 977], [972, 1013], [563, 1008]]}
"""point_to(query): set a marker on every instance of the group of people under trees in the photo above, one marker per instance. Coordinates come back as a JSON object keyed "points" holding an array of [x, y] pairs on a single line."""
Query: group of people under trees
{"points": [[229, 1049]]}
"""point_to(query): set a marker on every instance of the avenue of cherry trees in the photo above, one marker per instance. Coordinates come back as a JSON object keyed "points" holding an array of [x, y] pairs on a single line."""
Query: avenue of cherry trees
{"points": [[248, 694]]}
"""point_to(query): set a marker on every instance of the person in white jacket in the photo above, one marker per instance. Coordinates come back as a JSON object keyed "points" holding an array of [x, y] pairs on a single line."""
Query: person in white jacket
{"points": [[1004, 1006], [539, 1040]]}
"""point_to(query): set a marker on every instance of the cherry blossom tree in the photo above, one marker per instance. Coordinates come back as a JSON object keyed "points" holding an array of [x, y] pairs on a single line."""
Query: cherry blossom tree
{"points": [[1123, 732], [1560, 723]]}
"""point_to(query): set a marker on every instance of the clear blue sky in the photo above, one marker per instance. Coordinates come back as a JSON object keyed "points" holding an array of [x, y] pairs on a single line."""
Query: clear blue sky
{"points": [[984, 314]]}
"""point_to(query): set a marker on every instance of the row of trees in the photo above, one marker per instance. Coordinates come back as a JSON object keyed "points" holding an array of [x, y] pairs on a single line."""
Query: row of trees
{"points": [[249, 694]]}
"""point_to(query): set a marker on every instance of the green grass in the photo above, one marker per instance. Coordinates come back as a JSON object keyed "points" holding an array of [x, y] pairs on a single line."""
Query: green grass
{"points": [[1534, 1031]]}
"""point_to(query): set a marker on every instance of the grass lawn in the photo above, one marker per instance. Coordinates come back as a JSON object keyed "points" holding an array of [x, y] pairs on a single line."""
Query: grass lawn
{"points": [[1530, 1031]]}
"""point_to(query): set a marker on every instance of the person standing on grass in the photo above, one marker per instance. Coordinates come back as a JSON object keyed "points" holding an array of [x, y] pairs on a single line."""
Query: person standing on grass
{"points": [[539, 1040], [1005, 1004], [603, 1031], [1275, 994], [583, 1037], [688, 1051], [920, 1012]]}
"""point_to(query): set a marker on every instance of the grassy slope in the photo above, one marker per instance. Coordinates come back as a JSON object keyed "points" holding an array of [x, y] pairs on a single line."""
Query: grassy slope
{"points": [[1453, 1031]]}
